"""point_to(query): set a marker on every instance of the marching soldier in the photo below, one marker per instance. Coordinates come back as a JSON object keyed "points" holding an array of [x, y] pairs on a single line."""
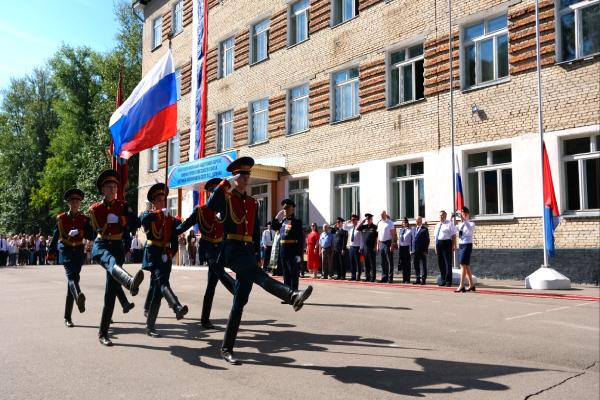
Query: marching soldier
{"points": [[111, 218], [211, 243], [241, 249], [291, 242], [161, 246], [71, 228]]}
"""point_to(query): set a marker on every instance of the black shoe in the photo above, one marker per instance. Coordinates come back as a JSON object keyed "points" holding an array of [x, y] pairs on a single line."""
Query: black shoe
{"points": [[152, 333], [228, 356], [69, 323], [423, 282], [179, 314], [284, 302], [128, 308], [418, 281], [460, 290], [471, 289], [81, 302], [146, 313], [207, 325], [442, 283], [449, 284], [105, 341], [300, 297], [136, 281]]}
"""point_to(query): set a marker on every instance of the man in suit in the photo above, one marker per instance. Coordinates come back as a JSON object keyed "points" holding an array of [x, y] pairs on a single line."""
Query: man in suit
{"points": [[420, 248], [340, 241]]}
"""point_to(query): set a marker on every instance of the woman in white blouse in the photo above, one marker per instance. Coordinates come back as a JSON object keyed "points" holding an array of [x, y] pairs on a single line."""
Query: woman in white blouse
{"points": [[465, 247]]}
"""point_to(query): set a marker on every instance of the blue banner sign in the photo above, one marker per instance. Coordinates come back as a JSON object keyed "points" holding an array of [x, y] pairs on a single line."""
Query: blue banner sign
{"points": [[200, 170]]}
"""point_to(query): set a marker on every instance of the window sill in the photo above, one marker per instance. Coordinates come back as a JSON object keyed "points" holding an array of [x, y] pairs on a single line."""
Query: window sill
{"points": [[405, 104], [258, 62], [151, 171], [345, 120], [581, 214], [155, 48], [297, 133], [343, 22], [291, 46], [258, 143], [492, 218], [577, 60], [486, 85], [174, 34]]}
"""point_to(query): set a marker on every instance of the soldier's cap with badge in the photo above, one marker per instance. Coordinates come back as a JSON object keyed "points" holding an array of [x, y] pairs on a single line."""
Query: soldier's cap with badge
{"points": [[368, 215], [157, 189], [354, 216], [108, 175], [340, 219], [241, 166], [211, 184], [288, 202], [74, 192]]}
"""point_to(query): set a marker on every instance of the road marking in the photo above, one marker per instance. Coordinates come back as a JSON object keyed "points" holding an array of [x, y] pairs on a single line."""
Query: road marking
{"points": [[523, 316], [559, 308], [574, 326], [583, 304]]}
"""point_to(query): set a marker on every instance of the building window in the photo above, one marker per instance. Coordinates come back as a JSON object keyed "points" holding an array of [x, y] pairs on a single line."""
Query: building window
{"points": [[347, 194], [172, 206], [579, 28], [178, 82], [408, 190], [343, 10], [174, 150], [259, 46], [153, 159], [345, 94], [178, 17], [298, 193], [225, 132], [156, 32], [298, 22], [261, 195], [226, 56], [490, 182], [406, 75], [485, 51], [581, 159], [298, 109], [259, 120]]}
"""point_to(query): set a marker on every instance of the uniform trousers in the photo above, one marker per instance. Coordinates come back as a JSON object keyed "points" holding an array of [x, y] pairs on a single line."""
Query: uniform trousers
{"points": [[211, 252], [108, 253], [267, 257], [339, 264], [444, 257], [404, 263], [291, 271], [370, 265]]}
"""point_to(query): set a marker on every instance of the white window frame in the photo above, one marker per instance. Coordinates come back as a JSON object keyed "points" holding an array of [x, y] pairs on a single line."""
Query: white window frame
{"points": [[172, 201], [580, 158], [340, 3], [222, 125], [266, 196], [355, 84], [157, 25], [254, 34], [480, 180], [576, 9], [290, 103], [177, 17], [409, 177], [178, 82], [399, 65], [224, 52], [355, 194], [253, 114], [153, 159], [293, 41], [476, 41], [302, 191], [173, 144]]}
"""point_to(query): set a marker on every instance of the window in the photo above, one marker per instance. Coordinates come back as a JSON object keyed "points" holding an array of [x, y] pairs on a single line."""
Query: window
{"points": [[347, 194], [343, 10], [259, 47], [225, 133], [261, 195], [489, 177], [345, 94], [408, 190], [178, 17], [172, 206], [298, 193], [226, 57], [298, 109], [579, 28], [406, 75], [485, 51], [178, 82], [259, 119], [153, 159], [581, 159], [156, 32], [298, 22], [174, 150]]}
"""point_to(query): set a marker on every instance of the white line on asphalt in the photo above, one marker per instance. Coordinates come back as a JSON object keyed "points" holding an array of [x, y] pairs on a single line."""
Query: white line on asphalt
{"points": [[559, 308], [575, 326], [584, 304], [523, 316]]}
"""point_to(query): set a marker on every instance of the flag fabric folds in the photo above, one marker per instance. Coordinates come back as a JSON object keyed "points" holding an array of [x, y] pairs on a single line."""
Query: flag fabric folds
{"points": [[460, 200], [120, 164], [551, 212], [149, 116]]}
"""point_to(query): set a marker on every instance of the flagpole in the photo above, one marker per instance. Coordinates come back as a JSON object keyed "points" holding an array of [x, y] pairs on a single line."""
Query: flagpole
{"points": [[450, 58], [540, 119]]}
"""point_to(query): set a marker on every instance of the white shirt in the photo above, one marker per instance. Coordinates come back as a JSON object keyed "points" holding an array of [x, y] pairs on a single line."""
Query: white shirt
{"points": [[267, 237], [465, 232], [384, 230], [444, 231], [136, 244], [353, 233], [405, 237]]}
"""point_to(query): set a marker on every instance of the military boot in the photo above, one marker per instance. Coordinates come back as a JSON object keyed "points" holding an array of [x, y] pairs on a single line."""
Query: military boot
{"points": [[69, 310], [151, 319], [173, 302], [130, 282]]}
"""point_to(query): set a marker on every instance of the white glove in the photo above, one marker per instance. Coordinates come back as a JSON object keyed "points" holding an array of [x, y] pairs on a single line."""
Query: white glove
{"points": [[165, 258], [232, 180], [280, 215], [165, 211], [112, 218], [298, 259], [74, 232]]}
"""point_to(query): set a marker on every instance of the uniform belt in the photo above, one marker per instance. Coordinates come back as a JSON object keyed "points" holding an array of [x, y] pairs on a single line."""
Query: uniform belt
{"points": [[72, 244], [158, 244], [241, 238], [212, 240], [288, 241], [108, 236]]}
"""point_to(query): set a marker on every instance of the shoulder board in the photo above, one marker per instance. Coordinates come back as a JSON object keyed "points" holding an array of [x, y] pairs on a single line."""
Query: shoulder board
{"points": [[96, 205]]}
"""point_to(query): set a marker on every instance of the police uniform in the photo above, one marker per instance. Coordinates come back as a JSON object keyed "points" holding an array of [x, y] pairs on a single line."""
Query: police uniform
{"points": [[239, 213], [211, 244], [110, 221], [67, 239], [340, 240], [369, 237], [291, 246], [161, 246]]}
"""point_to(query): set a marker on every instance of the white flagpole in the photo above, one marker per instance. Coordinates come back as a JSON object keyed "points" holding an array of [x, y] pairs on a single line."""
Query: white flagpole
{"points": [[450, 58]]}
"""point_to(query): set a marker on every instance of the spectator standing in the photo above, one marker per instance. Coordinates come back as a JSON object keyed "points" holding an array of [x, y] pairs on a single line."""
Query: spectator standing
{"points": [[266, 244], [41, 253], [183, 254], [3, 250], [445, 245], [465, 246], [88, 251], [405, 248], [326, 252], [136, 249], [191, 244], [31, 250], [369, 236], [354, 244], [23, 250], [420, 250], [313, 259], [340, 241], [13, 250], [386, 241]]}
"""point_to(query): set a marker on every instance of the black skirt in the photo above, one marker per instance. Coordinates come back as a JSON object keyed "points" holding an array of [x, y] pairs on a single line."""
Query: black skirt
{"points": [[464, 253]]}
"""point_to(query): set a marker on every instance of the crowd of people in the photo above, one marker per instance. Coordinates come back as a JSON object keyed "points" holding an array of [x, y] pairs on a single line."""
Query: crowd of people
{"points": [[22, 249]]}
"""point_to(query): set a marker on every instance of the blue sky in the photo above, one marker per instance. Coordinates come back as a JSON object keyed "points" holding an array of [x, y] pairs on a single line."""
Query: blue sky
{"points": [[32, 30]]}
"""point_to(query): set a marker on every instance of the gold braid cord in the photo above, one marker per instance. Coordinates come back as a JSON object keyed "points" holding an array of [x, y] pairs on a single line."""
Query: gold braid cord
{"points": [[235, 218], [208, 228]]}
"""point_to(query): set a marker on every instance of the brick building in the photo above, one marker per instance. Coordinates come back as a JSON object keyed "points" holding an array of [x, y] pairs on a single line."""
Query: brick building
{"points": [[345, 106]]}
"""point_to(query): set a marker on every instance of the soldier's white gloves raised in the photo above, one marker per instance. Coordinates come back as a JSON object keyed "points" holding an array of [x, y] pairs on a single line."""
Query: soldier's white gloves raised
{"points": [[298, 259], [280, 215], [112, 218], [74, 232], [165, 211], [231, 180], [164, 258]]}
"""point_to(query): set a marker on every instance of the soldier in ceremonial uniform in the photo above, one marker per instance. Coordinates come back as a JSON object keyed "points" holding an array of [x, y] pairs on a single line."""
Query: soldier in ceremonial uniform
{"points": [[211, 244], [239, 212], [291, 242], [111, 218], [161, 246], [71, 228]]}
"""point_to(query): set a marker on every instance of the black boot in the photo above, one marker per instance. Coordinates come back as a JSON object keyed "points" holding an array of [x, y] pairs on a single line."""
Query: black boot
{"points": [[151, 320], [148, 298], [300, 296], [123, 277], [128, 307], [230, 335], [104, 325], [205, 316], [77, 295], [173, 302], [228, 282], [68, 310], [277, 289]]}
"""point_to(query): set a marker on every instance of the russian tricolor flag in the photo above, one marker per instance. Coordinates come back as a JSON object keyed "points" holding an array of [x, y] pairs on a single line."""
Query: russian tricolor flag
{"points": [[551, 212], [460, 200], [149, 116]]}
